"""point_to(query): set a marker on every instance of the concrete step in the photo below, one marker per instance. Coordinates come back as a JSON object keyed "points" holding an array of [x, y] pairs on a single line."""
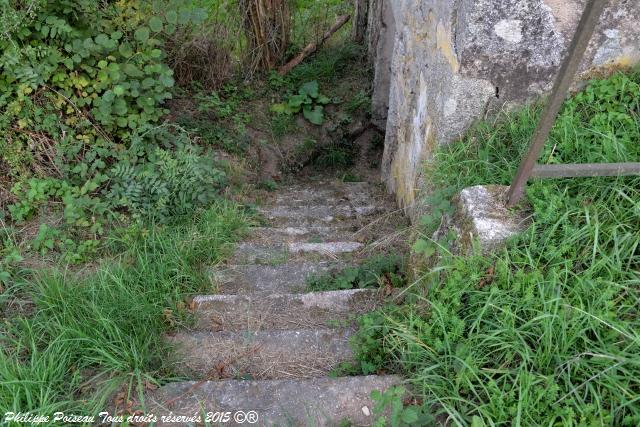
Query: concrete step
{"points": [[356, 229], [309, 234], [287, 277], [274, 253], [317, 310], [261, 355], [330, 249], [319, 402], [323, 213]]}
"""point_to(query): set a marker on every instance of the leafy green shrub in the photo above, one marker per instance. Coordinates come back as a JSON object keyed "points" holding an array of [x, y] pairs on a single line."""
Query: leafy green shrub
{"points": [[168, 184], [82, 90], [309, 100], [84, 73], [83, 216]]}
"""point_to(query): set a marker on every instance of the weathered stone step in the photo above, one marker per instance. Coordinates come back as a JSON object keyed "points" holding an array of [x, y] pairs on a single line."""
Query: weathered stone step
{"points": [[318, 310], [319, 216], [278, 253], [358, 193], [312, 233], [362, 230], [287, 277], [262, 355], [324, 213], [320, 402]]}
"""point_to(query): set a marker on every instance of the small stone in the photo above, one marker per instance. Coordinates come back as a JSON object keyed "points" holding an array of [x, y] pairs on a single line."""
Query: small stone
{"points": [[481, 214], [366, 411]]}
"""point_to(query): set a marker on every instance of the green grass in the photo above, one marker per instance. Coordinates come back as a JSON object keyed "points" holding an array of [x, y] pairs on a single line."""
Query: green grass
{"points": [[104, 329], [545, 331]]}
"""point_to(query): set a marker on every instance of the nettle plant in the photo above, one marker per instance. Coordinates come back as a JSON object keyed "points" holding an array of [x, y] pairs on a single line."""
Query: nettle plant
{"points": [[309, 100]]}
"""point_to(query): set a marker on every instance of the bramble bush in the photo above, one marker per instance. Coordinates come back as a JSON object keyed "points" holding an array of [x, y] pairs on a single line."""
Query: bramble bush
{"points": [[82, 87]]}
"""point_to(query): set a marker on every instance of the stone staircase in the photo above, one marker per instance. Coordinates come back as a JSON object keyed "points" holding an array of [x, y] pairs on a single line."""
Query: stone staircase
{"points": [[262, 343]]}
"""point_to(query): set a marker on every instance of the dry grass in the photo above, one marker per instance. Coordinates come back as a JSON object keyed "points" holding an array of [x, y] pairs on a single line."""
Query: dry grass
{"points": [[204, 58], [267, 26]]}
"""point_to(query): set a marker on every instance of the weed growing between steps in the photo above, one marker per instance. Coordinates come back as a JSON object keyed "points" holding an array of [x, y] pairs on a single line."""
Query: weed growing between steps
{"points": [[377, 271], [547, 330], [97, 333]]}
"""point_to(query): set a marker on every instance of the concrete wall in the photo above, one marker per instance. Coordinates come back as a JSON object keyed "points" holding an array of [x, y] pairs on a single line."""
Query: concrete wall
{"points": [[443, 64]]}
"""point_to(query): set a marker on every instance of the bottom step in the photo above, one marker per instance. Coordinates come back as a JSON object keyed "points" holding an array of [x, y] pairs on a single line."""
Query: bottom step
{"points": [[314, 402]]}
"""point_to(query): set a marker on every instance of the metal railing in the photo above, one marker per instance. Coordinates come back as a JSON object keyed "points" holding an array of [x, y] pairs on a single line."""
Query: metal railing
{"points": [[528, 168]]}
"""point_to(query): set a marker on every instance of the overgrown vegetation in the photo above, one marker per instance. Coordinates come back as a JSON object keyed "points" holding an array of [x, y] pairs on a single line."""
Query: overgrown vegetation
{"points": [[125, 125], [99, 333], [546, 330], [83, 90]]}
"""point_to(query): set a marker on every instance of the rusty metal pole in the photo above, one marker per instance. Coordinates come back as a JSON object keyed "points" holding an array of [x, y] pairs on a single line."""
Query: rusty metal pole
{"points": [[586, 26]]}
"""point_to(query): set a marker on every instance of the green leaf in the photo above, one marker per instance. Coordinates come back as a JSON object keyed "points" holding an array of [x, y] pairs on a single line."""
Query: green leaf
{"points": [[88, 43], [166, 80], [142, 34], [296, 101], [280, 108], [108, 96], [315, 115], [120, 107], [132, 70], [310, 88], [184, 17], [148, 83], [118, 90], [125, 50], [198, 15], [172, 17], [155, 24], [324, 100], [103, 40], [409, 415], [424, 247]]}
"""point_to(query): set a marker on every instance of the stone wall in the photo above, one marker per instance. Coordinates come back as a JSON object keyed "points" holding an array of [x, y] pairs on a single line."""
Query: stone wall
{"points": [[441, 65]]}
